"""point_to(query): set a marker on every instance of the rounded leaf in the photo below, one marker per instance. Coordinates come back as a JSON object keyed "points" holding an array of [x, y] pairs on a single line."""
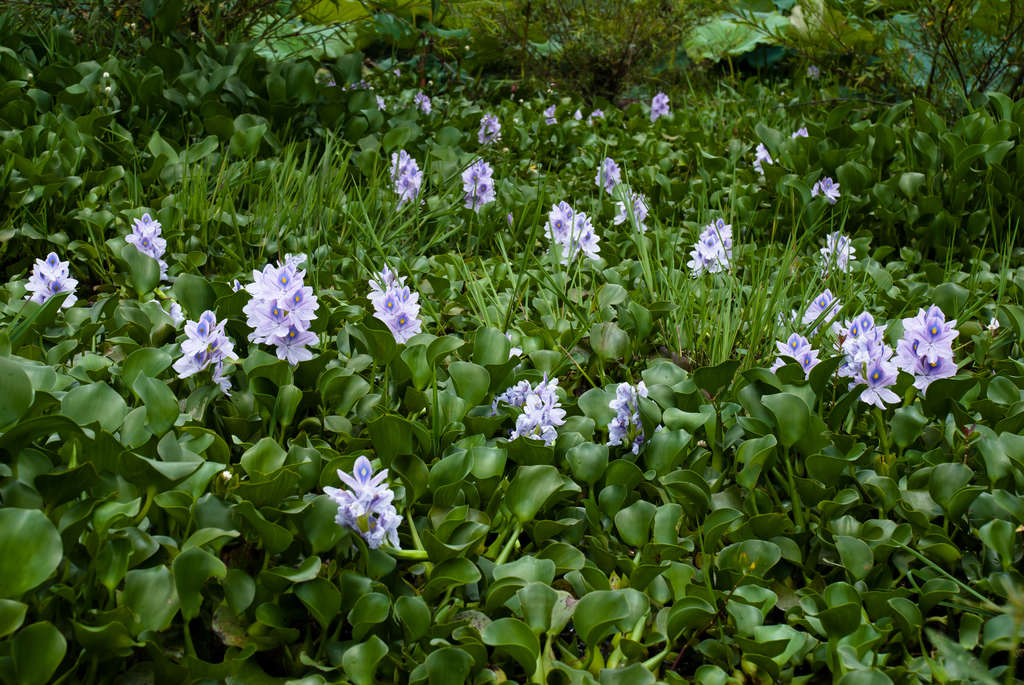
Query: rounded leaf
{"points": [[18, 392], [37, 652], [30, 550]]}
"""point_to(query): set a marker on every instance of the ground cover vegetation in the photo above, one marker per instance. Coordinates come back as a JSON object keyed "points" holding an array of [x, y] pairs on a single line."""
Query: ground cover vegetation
{"points": [[354, 353]]}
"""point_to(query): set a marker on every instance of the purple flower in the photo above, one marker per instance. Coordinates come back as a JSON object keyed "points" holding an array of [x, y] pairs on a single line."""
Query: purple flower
{"points": [[626, 426], [542, 412], [838, 252], [175, 313], [813, 72], [577, 115], [800, 133], [549, 116], [146, 237], [380, 103], [206, 345], [396, 305], [490, 129], [638, 209], [799, 348], [608, 175], [926, 348], [824, 306], [281, 309], [478, 184], [761, 156], [659, 107], [572, 231], [49, 277], [366, 506], [713, 250], [934, 333], [868, 360], [406, 177], [423, 102], [596, 114], [828, 188], [878, 374]]}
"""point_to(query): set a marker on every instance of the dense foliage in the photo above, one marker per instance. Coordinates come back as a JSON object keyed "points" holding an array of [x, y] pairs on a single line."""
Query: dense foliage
{"points": [[627, 437]]}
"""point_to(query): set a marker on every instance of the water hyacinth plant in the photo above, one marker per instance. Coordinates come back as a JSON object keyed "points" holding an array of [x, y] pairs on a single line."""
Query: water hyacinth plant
{"points": [[49, 277], [395, 304], [712, 253], [281, 309], [659, 107], [406, 177], [422, 101], [827, 188], [521, 443], [147, 237], [206, 346], [478, 185]]}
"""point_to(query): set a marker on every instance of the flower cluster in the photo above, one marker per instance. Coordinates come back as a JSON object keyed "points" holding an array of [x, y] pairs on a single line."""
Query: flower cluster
{"points": [[828, 188], [926, 349], [490, 129], [542, 412], [626, 426], [608, 175], [396, 305], [762, 156], [206, 345], [366, 507], [49, 277], [423, 102], [578, 114], [813, 71], [549, 116], [826, 307], [145, 236], [838, 252], [572, 231], [639, 211], [868, 360], [799, 348], [280, 309], [800, 133], [406, 176], [659, 107], [713, 250], [478, 184], [596, 114]]}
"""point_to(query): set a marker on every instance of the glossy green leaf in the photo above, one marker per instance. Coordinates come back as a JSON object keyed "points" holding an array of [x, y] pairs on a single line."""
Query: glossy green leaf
{"points": [[30, 550], [37, 652]]}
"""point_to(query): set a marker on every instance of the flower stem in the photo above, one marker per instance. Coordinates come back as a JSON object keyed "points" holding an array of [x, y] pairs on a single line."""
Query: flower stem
{"points": [[794, 496], [507, 549]]}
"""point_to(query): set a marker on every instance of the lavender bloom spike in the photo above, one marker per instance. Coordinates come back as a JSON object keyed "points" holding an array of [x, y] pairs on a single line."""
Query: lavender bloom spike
{"points": [[206, 345], [396, 305], [608, 175], [147, 239], [281, 309], [828, 188], [762, 156], [838, 252], [639, 210], [659, 107], [549, 116], [49, 277], [542, 412], [490, 129], [406, 176], [423, 102], [626, 427], [366, 506], [478, 185], [712, 252]]}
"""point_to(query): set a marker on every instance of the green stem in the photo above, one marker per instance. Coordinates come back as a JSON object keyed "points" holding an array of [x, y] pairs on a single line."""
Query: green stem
{"points": [[794, 496], [507, 549], [883, 436], [412, 531], [416, 554]]}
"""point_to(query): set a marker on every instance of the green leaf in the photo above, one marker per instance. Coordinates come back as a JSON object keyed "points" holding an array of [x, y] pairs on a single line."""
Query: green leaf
{"points": [[998, 535], [609, 341], [531, 488], [856, 556], [152, 597], [96, 402], [287, 402], [194, 294], [792, 416], [160, 402], [750, 557], [322, 598], [17, 394], [448, 665], [12, 613], [192, 569], [263, 458], [756, 455], [37, 652], [361, 661], [634, 523], [370, 610], [144, 270], [515, 638], [472, 382], [712, 379], [598, 614], [414, 615], [30, 550], [588, 461]]}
